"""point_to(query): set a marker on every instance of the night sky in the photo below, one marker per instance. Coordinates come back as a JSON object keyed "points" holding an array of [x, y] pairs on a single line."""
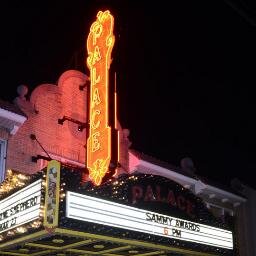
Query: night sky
{"points": [[185, 72]]}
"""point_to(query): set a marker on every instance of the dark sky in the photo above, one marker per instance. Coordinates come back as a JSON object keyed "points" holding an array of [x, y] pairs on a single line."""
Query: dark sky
{"points": [[185, 72]]}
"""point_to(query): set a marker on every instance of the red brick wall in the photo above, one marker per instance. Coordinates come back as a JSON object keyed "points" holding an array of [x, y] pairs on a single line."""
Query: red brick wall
{"points": [[47, 104], [4, 134]]}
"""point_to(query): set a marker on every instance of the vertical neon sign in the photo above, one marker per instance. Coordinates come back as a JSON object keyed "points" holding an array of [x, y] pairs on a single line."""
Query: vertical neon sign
{"points": [[100, 43]]}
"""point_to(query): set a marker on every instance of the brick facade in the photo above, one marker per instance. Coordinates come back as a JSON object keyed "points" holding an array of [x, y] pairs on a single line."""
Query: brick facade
{"points": [[48, 103]]}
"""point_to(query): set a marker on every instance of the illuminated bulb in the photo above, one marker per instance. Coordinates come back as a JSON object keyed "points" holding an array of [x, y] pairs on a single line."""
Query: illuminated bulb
{"points": [[20, 184], [10, 233], [22, 177], [36, 224], [21, 230], [15, 179], [9, 172]]}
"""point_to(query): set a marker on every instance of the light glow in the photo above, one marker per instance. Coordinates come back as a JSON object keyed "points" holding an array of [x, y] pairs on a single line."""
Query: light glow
{"points": [[12, 181], [95, 210], [100, 42]]}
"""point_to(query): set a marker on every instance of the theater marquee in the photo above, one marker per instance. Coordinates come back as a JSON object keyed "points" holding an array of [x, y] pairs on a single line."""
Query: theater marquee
{"points": [[51, 208], [55, 212], [91, 209]]}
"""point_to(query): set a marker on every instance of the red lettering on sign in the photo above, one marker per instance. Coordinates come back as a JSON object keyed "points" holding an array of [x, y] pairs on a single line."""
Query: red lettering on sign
{"points": [[137, 193], [152, 193], [171, 198], [181, 202], [149, 195]]}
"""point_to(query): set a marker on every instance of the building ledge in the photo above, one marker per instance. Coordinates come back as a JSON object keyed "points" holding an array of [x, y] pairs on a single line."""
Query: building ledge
{"points": [[10, 120], [195, 184]]}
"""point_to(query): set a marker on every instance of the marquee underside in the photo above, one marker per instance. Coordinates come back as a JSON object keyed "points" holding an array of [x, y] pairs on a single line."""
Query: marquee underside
{"points": [[64, 242]]}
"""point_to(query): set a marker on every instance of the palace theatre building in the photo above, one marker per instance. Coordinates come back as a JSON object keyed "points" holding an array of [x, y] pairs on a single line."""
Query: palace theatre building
{"points": [[71, 184]]}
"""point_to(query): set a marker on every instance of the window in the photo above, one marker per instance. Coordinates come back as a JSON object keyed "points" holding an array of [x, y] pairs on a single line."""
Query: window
{"points": [[2, 159]]}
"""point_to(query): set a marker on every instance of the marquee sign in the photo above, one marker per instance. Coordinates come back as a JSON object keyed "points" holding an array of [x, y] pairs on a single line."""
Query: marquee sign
{"points": [[49, 204], [95, 210], [100, 42], [21, 207]]}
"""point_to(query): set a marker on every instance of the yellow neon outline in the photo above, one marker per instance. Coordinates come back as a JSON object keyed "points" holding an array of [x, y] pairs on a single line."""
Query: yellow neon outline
{"points": [[92, 238], [95, 93], [13, 253], [69, 246], [105, 252], [132, 242], [151, 253], [95, 141], [94, 80], [94, 113], [98, 166], [41, 253], [52, 164], [125, 247], [24, 238]]}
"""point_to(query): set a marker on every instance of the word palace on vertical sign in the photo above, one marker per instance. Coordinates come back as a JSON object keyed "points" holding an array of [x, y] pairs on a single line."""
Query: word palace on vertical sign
{"points": [[100, 42]]}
